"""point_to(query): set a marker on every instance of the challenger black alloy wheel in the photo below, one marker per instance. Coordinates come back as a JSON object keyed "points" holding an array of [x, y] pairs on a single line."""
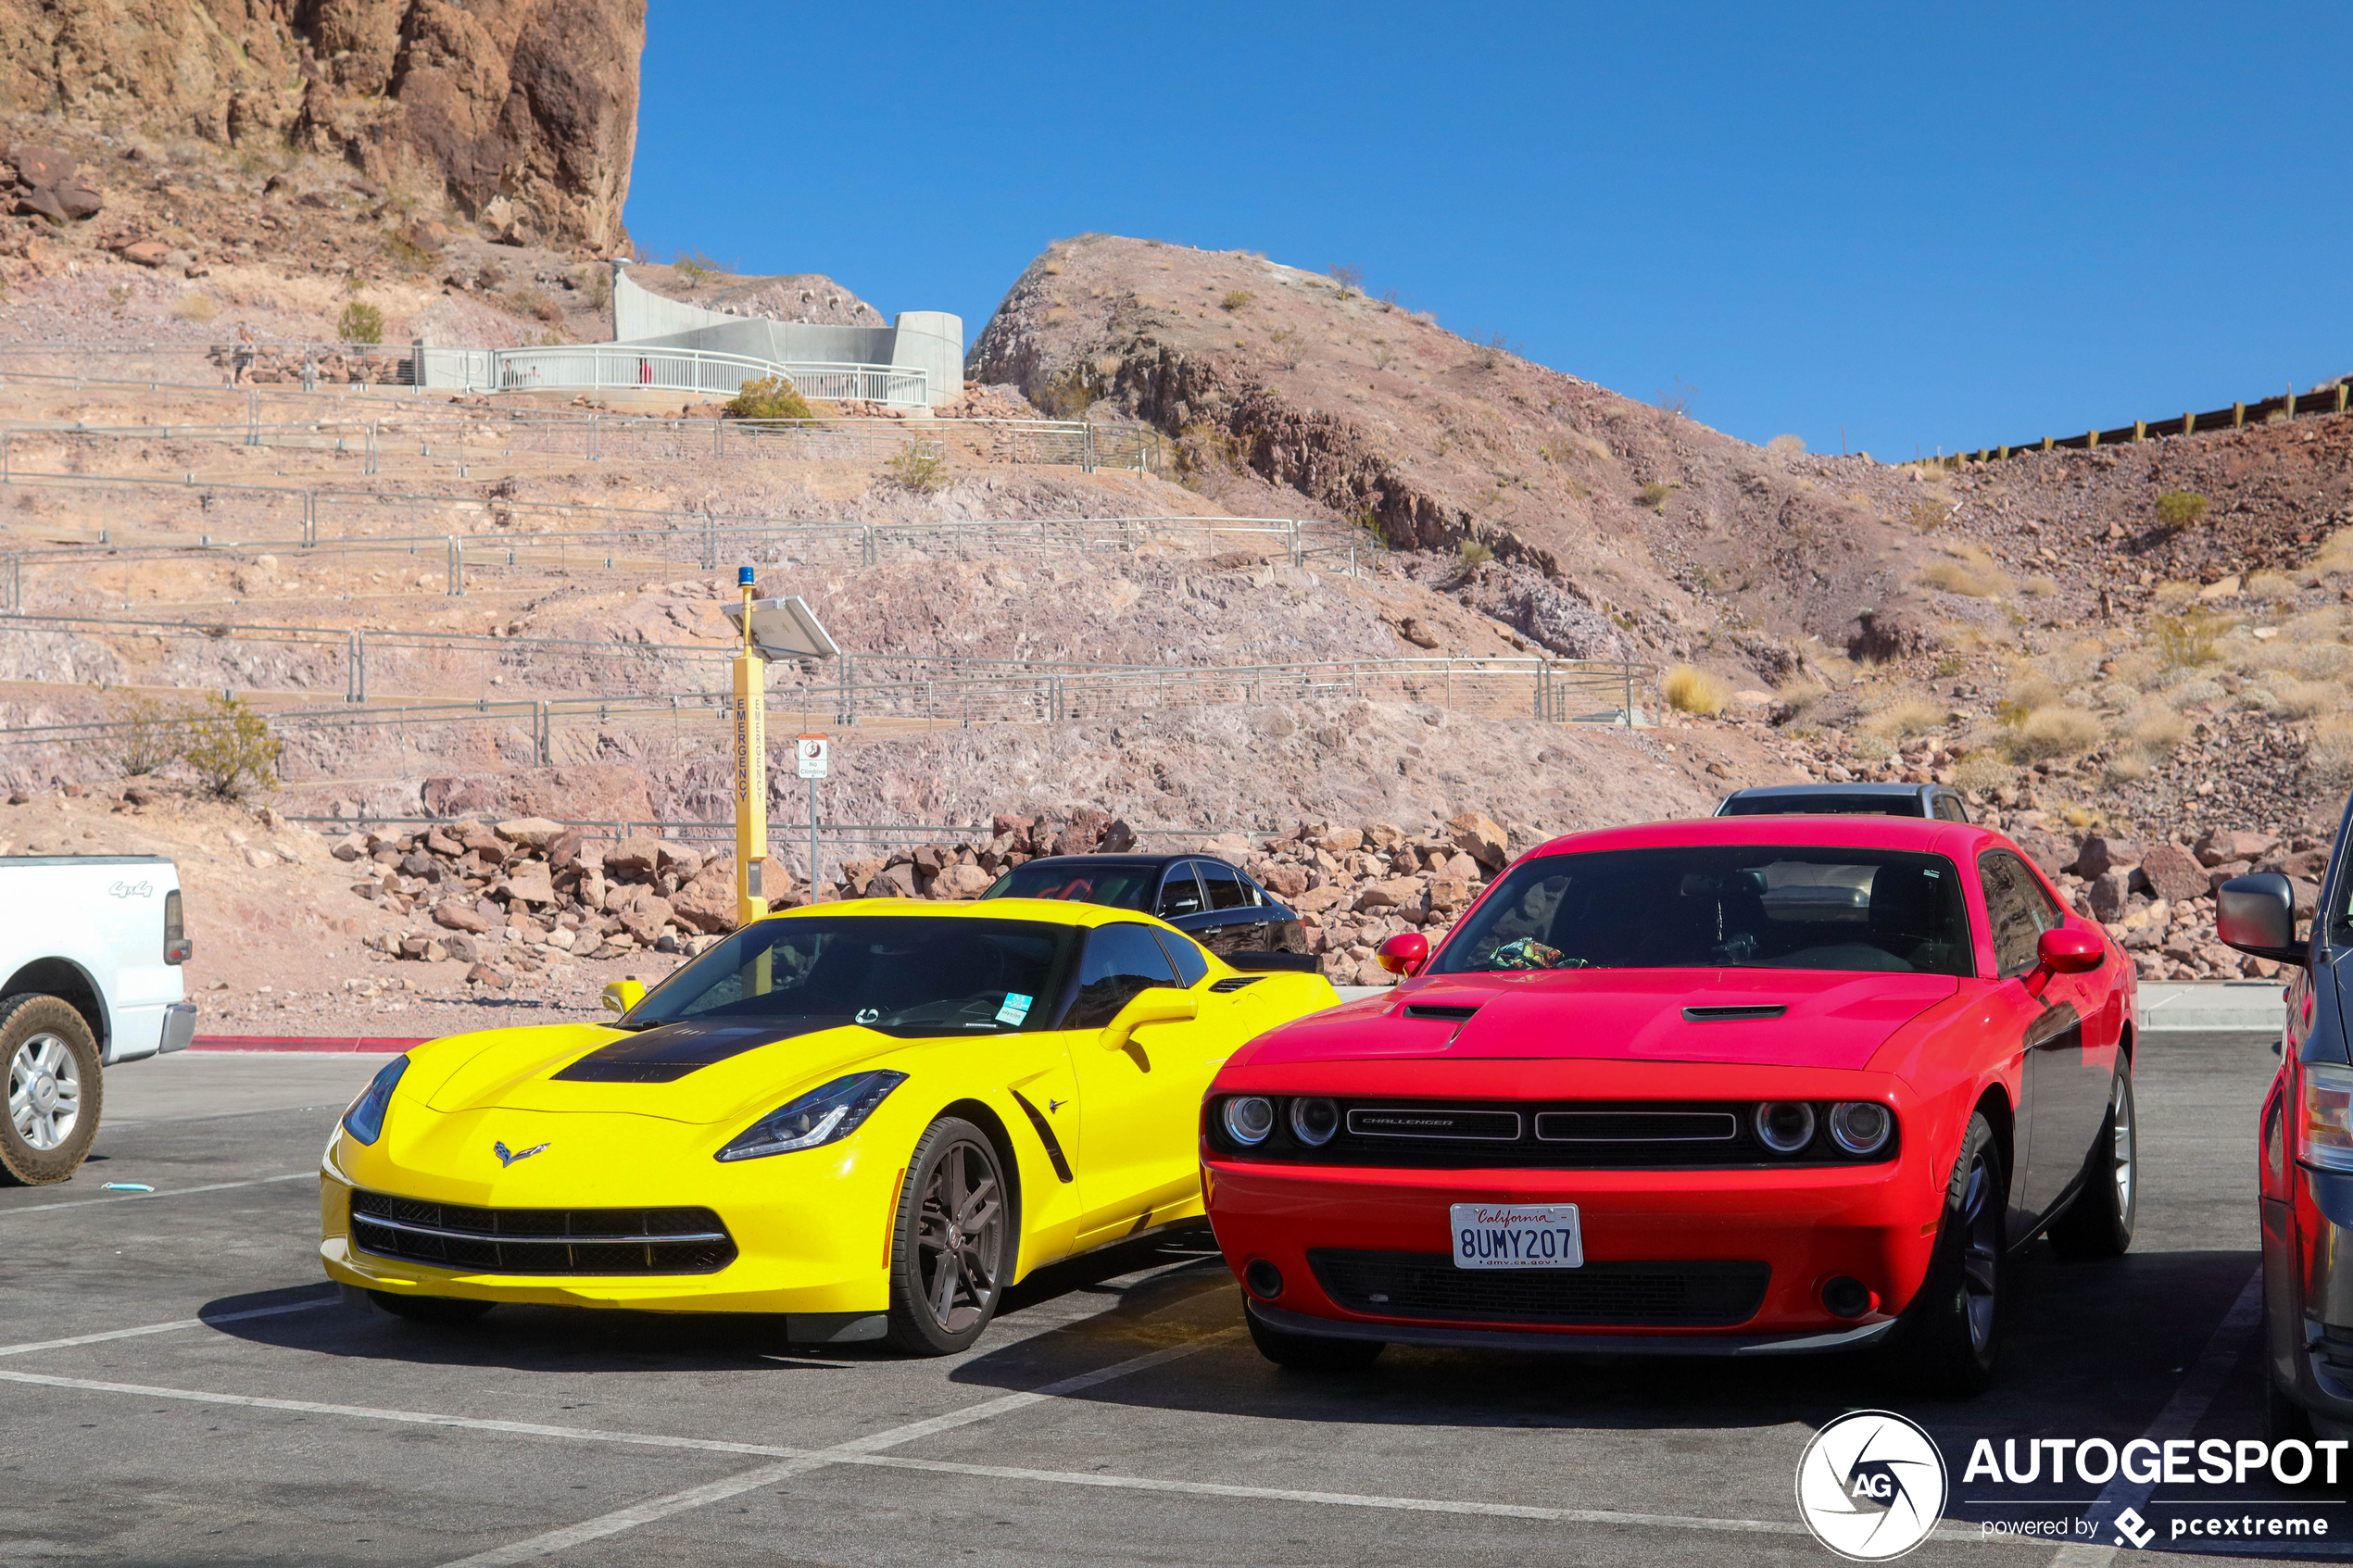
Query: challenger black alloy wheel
{"points": [[1310, 1352], [954, 1247], [2099, 1223], [1947, 1340], [430, 1309], [50, 1062]]}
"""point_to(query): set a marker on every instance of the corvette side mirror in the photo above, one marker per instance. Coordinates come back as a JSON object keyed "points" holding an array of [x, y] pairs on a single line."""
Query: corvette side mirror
{"points": [[2257, 915], [622, 994], [1160, 1004], [2069, 951], [1405, 953]]}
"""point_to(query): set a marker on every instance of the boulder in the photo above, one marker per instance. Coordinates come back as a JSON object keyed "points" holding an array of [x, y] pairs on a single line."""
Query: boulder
{"points": [[351, 847], [2232, 843], [893, 882], [961, 882], [1396, 892], [145, 253], [1449, 893], [459, 946], [1316, 900], [1459, 866], [440, 843], [482, 974], [482, 843], [532, 833], [1118, 839], [417, 947], [686, 863], [566, 851], [2048, 851], [1083, 832], [39, 165], [633, 858], [1481, 839], [707, 903], [530, 882], [2216, 875], [2107, 894], [2312, 863], [2307, 896], [454, 916], [642, 912], [2102, 854], [1283, 881], [2173, 872]]}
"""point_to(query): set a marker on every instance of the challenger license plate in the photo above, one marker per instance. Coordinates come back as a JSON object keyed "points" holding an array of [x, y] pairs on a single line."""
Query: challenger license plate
{"points": [[1517, 1236]]}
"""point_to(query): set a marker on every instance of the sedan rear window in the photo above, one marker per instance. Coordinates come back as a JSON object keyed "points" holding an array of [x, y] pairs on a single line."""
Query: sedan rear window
{"points": [[1825, 805], [1721, 907], [1120, 885]]}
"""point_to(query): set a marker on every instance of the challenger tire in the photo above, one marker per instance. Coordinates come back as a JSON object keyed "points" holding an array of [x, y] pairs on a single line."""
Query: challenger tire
{"points": [[2099, 1223], [54, 1089], [1947, 1340]]}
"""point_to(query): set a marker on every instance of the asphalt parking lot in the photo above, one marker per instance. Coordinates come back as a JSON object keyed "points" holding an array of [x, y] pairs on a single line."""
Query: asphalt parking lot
{"points": [[180, 1387]]}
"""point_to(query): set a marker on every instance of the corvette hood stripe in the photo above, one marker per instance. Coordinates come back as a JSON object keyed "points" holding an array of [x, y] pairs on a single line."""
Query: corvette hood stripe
{"points": [[671, 1051]]}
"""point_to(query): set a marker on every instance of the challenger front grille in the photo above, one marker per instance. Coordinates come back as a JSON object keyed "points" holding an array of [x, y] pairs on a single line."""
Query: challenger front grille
{"points": [[541, 1241], [1702, 1294], [1541, 1136]]}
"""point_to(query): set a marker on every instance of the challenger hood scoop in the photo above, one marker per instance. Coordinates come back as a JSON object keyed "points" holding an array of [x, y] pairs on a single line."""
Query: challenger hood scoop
{"points": [[1809, 1018]]}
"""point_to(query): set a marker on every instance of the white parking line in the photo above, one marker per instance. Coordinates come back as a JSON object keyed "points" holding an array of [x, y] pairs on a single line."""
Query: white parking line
{"points": [[2177, 1418], [144, 1196], [176, 1325]]}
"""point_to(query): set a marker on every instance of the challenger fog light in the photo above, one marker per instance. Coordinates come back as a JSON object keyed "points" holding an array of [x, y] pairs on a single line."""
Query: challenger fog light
{"points": [[1785, 1125], [1846, 1296], [1265, 1280], [1249, 1118], [365, 1120], [1313, 1121], [1860, 1126]]}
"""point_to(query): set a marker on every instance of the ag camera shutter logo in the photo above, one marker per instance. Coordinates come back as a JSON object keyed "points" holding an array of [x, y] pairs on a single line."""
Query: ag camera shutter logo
{"points": [[1871, 1486]]}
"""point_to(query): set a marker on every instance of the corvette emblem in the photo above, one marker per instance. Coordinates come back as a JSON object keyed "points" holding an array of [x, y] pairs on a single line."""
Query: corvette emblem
{"points": [[509, 1155], [1056, 1104]]}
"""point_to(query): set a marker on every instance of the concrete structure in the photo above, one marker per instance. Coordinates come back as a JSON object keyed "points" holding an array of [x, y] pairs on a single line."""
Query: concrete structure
{"points": [[665, 344]]}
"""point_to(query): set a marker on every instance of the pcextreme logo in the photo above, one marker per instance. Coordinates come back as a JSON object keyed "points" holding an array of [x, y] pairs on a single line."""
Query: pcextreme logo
{"points": [[1870, 1486]]}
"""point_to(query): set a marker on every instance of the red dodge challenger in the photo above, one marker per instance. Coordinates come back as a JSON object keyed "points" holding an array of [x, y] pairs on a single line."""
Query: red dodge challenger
{"points": [[1740, 1087]]}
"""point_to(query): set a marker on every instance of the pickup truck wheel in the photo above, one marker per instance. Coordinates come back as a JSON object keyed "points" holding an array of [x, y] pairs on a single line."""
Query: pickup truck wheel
{"points": [[53, 1090]]}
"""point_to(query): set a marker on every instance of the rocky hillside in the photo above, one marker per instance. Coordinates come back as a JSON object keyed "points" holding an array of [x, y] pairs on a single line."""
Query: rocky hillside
{"points": [[521, 110]]}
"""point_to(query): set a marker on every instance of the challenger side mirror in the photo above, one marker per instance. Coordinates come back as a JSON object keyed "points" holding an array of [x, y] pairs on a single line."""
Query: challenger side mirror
{"points": [[622, 994], [2067, 950], [1405, 953], [1157, 1004], [2257, 915]]}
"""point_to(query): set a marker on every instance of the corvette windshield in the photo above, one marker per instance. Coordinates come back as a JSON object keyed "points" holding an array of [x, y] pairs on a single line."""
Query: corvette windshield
{"points": [[907, 976], [1119, 884], [1721, 907]]}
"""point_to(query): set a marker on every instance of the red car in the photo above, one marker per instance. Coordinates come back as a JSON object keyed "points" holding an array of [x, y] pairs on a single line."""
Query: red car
{"points": [[1746, 1085]]}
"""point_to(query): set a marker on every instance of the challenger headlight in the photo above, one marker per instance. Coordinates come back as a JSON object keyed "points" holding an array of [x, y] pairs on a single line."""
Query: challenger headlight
{"points": [[1249, 1118], [365, 1120], [1314, 1121], [823, 1115], [2325, 1132], [1861, 1127], [1785, 1125]]}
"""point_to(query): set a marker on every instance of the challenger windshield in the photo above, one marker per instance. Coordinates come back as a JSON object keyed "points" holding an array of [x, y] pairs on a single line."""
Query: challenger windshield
{"points": [[1121, 886], [909, 975], [1721, 907]]}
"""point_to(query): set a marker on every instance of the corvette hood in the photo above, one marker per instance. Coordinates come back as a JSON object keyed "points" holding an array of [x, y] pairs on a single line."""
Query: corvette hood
{"points": [[1795, 1018], [693, 1072]]}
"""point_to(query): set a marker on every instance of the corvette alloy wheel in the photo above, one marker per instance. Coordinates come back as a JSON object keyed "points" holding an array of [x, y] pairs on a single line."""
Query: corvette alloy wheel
{"points": [[948, 1265], [54, 1089]]}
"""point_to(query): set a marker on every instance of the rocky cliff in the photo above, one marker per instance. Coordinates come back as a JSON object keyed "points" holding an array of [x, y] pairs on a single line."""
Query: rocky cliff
{"points": [[532, 102]]}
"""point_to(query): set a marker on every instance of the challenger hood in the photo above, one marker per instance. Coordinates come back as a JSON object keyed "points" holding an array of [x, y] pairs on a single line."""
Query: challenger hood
{"points": [[1753, 1017], [698, 1073]]}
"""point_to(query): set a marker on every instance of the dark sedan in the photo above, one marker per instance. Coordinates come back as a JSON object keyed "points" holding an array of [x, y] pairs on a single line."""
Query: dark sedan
{"points": [[1215, 904]]}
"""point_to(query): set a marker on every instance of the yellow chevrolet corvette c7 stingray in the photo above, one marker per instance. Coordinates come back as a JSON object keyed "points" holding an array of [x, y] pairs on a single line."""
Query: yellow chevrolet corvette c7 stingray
{"points": [[867, 1117]]}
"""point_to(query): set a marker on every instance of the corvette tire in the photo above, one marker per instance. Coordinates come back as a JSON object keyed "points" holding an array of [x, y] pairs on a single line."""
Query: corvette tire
{"points": [[430, 1309], [2099, 1223], [1311, 1352], [955, 1241], [1949, 1338], [50, 1065]]}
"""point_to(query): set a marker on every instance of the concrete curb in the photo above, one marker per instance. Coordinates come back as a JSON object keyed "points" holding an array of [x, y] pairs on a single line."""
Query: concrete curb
{"points": [[360, 1044], [2254, 1006]]}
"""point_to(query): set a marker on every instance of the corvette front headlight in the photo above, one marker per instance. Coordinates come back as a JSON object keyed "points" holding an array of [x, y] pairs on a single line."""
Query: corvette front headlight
{"points": [[823, 1115], [365, 1120]]}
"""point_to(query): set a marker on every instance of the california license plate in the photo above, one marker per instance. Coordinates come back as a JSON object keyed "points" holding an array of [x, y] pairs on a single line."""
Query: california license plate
{"points": [[1520, 1236]]}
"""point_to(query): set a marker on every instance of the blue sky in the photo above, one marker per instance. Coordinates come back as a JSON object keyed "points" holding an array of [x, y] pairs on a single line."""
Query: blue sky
{"points": [[1935, 228]]}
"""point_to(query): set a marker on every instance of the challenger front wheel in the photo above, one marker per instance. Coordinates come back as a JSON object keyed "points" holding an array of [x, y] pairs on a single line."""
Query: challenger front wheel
{"points": [[952, 1252]]}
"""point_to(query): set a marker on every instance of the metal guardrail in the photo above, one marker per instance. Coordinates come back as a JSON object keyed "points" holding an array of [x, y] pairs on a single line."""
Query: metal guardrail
{"points": [[2333, 398]]}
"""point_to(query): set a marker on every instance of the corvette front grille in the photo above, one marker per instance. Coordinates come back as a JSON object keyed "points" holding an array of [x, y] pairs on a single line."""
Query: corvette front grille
{"points": [[1709, 1293], [541, 1241]]}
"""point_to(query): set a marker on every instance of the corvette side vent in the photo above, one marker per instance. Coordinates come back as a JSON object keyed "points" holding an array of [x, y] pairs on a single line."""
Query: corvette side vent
{"points": [[1435, 1010], [1732, 1014], [1235, 981]]}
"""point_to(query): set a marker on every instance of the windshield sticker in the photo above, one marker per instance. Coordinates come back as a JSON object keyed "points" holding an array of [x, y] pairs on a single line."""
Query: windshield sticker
{"points": [[1016, 1008]]}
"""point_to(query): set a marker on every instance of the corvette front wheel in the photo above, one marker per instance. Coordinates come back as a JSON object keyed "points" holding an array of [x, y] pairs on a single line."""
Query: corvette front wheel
{"points": [[952, 1252]]}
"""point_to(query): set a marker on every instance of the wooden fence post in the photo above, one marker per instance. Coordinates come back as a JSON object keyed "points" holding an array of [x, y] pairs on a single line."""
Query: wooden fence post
{"points": [[2189, 425], [2140, 430], [2090, 439], [2238, 416]]}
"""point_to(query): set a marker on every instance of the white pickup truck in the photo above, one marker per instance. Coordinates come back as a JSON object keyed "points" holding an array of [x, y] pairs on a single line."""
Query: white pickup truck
{"points": [[91, 945]]}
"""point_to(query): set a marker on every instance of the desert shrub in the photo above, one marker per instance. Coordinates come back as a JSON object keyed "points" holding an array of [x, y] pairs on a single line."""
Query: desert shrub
{"points": [[1068, 395], [1784, 446], [527, 299], [360, 322], [2154, 729], [407, 255], [1238, 299], [1874, 749], [1927, 516], [2048, 734], [1688, 689], [2330, 753], [1653, 495], [147, 737], [230, 749], [770, 397], [1798, 695], [2274, 586], [196, 307], [694, 266], [1291, 347], [1969, 571], [2134, 668], [1350, 278], [2042, 587], [919, 467], [1981, 772], [2184, 641], [2323, 661], [2125, 766], [2174, 595], [2178, 510], [1905, 717], [2336, 553], [2189, 694], [2304, 699], [1475, 554]]}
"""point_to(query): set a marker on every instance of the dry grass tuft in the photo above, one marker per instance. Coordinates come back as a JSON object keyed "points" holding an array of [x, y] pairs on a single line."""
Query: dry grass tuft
{"points": [[1905, 717], [2335, 553], [2322, 661], [1798, 695], [2155, 730], [2042, 587], [196, 307], [2174, 595], [2330, 753], [1981, 771], [2273, 586], [2048, 734], [1965, 569], [1691, 690], [2304, 700]]}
